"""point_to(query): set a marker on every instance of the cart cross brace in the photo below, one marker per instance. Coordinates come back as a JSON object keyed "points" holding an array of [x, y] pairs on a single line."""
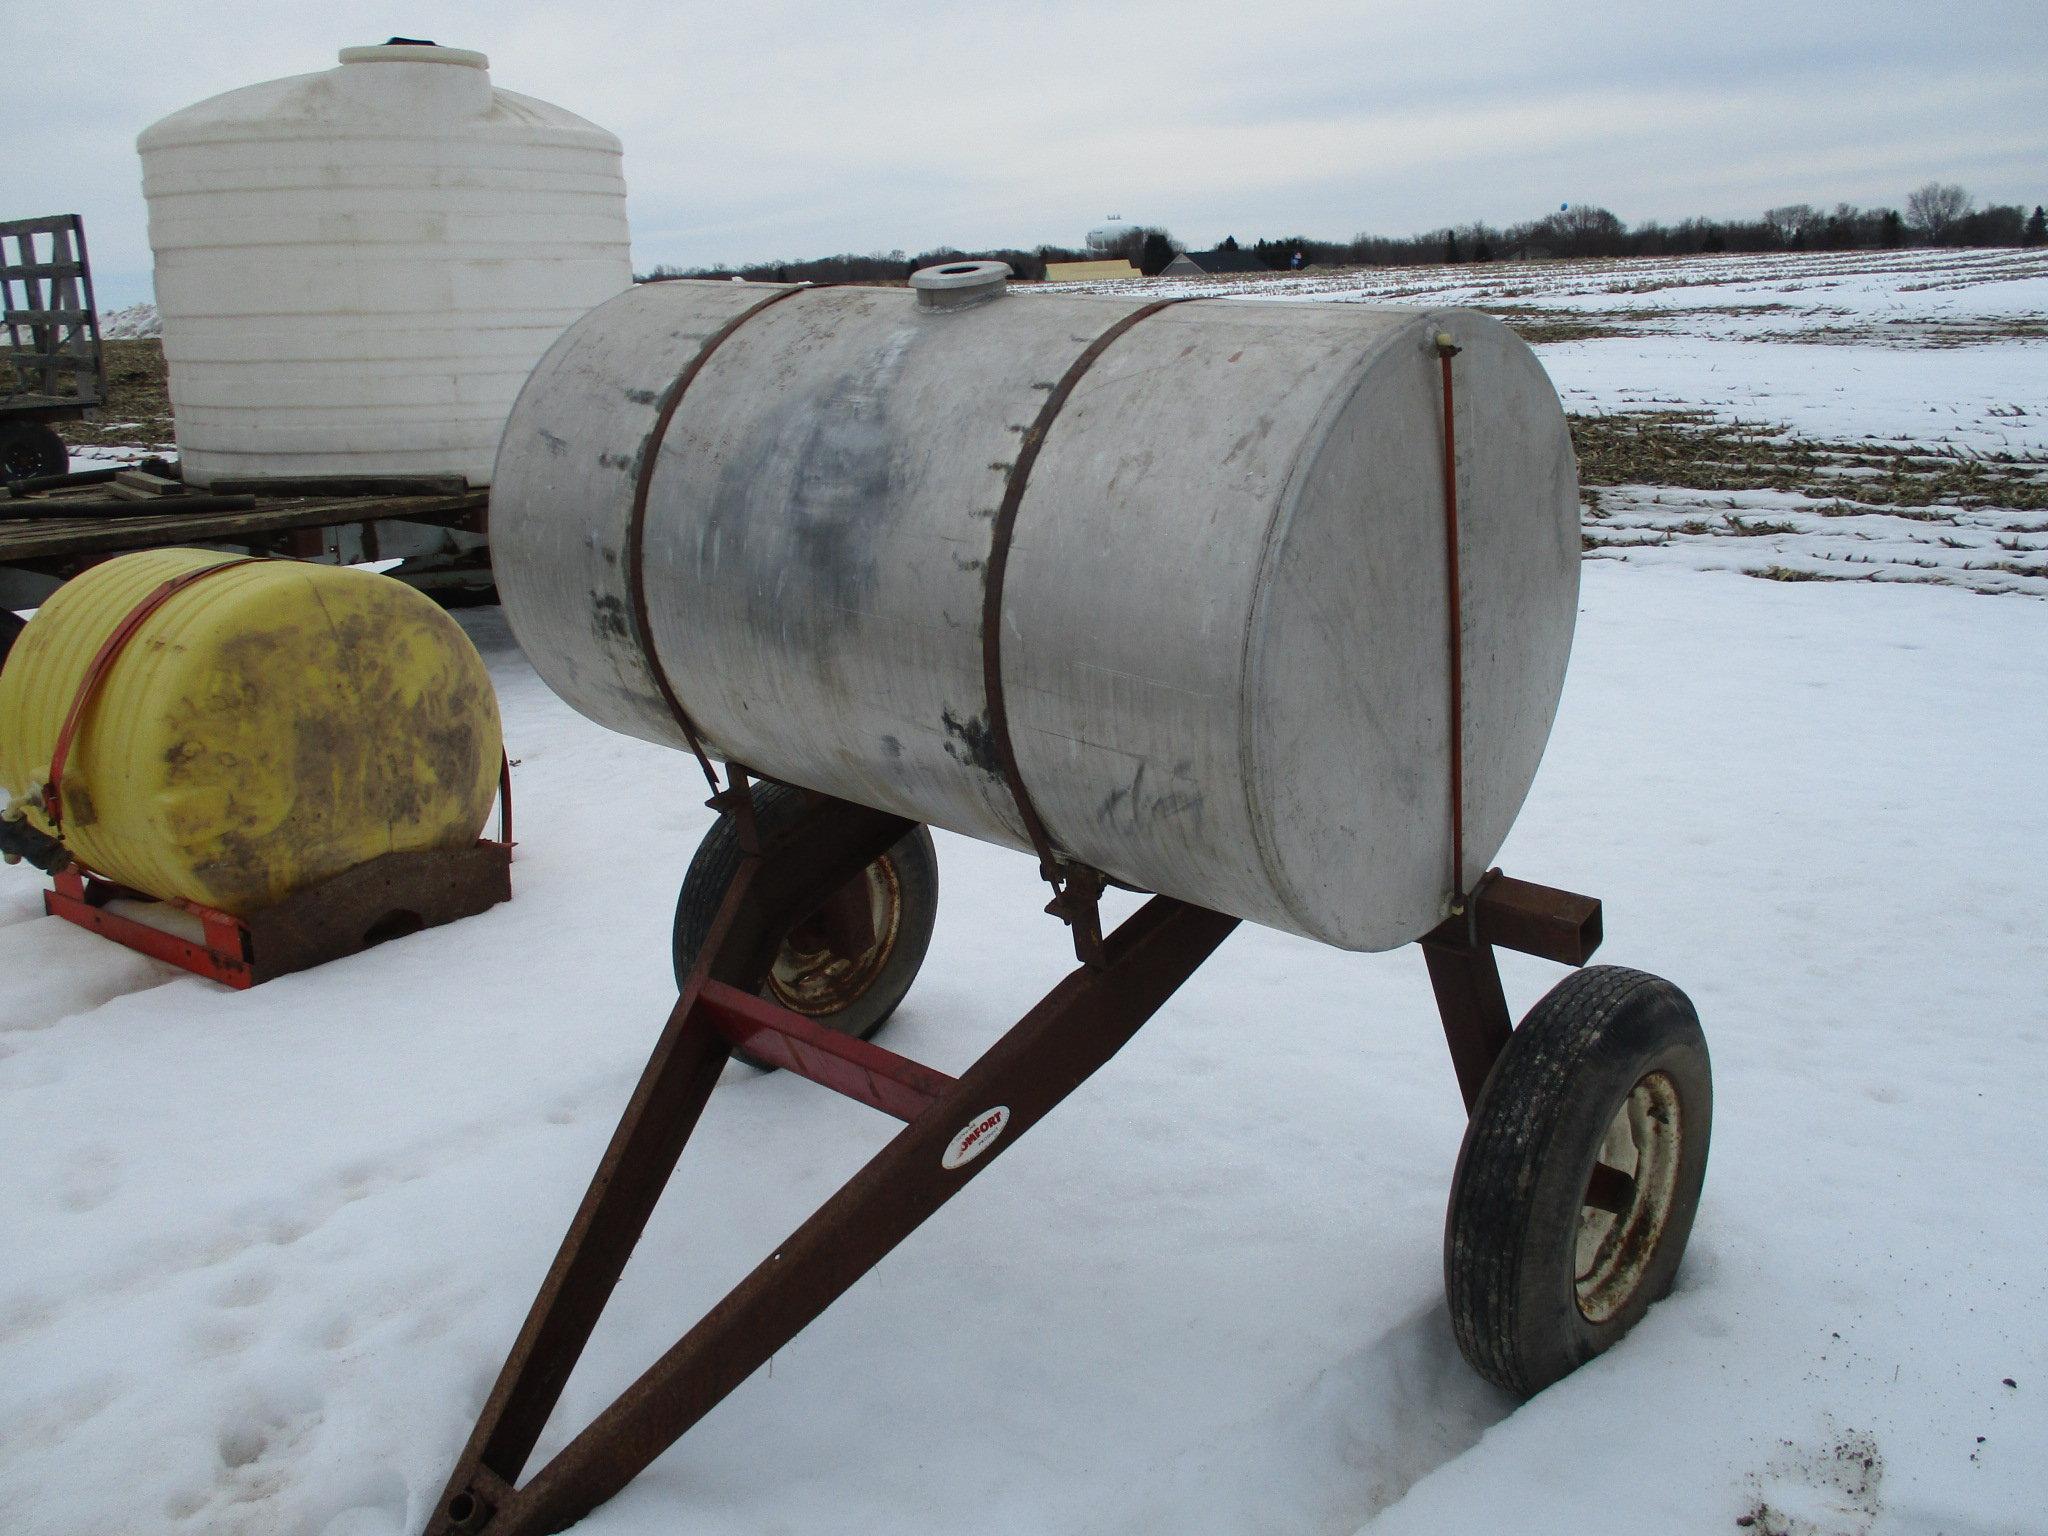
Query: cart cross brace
{"points": [[953, 1129]]}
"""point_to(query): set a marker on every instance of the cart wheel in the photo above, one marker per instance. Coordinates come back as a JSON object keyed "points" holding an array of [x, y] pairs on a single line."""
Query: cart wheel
{"points": [[1579, 1176], [849, 963], [29, 448]]}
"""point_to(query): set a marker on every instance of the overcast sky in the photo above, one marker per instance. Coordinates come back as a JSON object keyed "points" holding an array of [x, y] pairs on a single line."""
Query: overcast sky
{"points": [[805, 127]]}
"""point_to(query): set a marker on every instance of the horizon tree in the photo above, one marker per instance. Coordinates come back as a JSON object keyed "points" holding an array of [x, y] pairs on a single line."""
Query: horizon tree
{"points": [[1937, 207], [1156, 252]]}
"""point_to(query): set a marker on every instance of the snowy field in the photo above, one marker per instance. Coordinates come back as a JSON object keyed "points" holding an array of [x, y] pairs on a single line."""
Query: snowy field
{"points": [[265, 1251], [1873, 415]]}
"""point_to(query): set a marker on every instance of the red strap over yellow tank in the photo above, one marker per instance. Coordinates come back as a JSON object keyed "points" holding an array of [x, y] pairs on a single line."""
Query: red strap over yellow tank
{"points": [[102, 662]]}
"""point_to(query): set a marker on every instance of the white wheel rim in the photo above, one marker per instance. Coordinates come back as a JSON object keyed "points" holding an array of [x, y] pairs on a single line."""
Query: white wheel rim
{"points": [[1616, 1246]]}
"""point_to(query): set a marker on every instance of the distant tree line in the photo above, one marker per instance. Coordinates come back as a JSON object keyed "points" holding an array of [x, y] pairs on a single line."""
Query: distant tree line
{"points": [[1938, 214], [1145, 247]]}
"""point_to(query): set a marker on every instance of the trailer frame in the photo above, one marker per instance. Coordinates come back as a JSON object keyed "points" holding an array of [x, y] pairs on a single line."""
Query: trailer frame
{"points": [[954, 1129]]}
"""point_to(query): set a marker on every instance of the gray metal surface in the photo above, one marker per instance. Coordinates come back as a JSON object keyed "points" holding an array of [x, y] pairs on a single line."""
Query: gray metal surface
{"points": [[1224, 652]]}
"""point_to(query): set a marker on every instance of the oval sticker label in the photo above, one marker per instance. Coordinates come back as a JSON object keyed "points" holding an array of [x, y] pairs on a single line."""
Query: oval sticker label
{"points": [[976, 1137]]}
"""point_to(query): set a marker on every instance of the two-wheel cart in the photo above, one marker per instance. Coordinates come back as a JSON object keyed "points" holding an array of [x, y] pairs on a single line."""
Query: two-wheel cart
{"points": [[51, 365], [1263, 609], [801, 925]]}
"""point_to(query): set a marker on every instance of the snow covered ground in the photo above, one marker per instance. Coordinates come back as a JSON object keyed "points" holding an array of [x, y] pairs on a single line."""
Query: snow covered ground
{"points": [[133, 322], [1916, 378], [265, 1251]]}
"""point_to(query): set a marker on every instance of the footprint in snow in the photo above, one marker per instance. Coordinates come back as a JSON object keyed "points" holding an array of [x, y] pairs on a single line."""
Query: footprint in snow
{"points": [[91, 1181], [244, 1289], [258, 1449]]}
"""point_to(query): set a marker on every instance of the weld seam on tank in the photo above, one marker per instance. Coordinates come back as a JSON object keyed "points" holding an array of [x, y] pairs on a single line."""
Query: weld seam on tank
{"points": [[636, 522]]}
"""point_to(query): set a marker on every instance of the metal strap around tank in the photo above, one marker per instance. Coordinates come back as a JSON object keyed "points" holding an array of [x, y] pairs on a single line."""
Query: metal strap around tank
{"points": [[1455, 624], [102, 662], [1057, 872], [636, 525]]}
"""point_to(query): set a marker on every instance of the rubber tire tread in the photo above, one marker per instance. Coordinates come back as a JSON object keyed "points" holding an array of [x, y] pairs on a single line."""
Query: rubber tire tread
{"points": [[1510, 1236], [717, 861]]}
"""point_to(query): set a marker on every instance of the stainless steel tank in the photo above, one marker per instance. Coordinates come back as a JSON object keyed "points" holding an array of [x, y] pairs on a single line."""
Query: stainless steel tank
{"points": [[1224, 628]]}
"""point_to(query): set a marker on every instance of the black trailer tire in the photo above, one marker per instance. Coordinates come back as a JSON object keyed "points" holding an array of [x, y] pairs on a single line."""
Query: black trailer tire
{"points": [[11, 626], [29, 449], [852, 994], [1609, 1067]]}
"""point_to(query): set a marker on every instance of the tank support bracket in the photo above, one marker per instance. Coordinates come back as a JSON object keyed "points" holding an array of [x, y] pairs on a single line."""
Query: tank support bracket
{"points": [[1513, 914], [954, 1129]]}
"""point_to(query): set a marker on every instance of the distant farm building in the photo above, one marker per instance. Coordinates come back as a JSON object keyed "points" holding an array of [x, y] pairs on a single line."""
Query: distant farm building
{"points": [[1213, 264], [1088, 271]]}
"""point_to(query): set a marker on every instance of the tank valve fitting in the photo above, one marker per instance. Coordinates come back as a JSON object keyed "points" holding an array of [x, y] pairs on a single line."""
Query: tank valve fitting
{"points": [[19, 840]]}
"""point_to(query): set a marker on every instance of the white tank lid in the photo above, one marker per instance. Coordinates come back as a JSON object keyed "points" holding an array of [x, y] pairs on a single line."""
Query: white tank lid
{"points": [[403, 50]]}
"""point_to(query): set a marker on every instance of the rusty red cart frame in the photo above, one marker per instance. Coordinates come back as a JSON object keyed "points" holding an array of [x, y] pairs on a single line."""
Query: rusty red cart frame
{"points": [[954, 1129]]}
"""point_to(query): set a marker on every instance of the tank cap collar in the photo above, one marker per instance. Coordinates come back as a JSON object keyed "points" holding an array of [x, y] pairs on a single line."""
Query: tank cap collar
{"points": [[410, 51], [959, 284]]}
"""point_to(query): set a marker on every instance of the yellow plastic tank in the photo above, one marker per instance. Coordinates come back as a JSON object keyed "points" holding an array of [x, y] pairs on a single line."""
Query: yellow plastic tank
{"points": [[266, 728]]}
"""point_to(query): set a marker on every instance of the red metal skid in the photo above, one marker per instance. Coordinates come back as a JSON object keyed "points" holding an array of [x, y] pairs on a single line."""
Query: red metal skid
{"points": [[340, 916], [223, 956]]}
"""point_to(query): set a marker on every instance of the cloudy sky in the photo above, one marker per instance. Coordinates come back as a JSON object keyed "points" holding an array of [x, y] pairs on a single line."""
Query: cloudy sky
{"points": [[803, 127]]}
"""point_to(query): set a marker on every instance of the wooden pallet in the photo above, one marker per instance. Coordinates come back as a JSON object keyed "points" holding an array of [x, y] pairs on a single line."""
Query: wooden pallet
{"points": [[49, 328]]}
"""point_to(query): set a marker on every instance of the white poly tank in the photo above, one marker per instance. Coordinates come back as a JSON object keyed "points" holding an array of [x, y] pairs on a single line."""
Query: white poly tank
{"points": [[357, 269]]}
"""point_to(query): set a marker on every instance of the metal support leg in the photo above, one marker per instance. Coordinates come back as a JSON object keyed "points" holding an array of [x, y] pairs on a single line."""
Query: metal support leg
{"points": [[967, 1124], [1514, 914], [1466, 980], [827, 848]]}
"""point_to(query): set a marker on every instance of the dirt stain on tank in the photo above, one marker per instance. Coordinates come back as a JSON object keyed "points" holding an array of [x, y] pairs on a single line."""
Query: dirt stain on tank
{"points": [[808, 551], [970, 741]]}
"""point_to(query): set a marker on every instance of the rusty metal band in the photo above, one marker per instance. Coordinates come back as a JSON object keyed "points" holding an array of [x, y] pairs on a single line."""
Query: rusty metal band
{"points": [[1455, 625], [998, 567], [102, 662], [636, 524]]}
